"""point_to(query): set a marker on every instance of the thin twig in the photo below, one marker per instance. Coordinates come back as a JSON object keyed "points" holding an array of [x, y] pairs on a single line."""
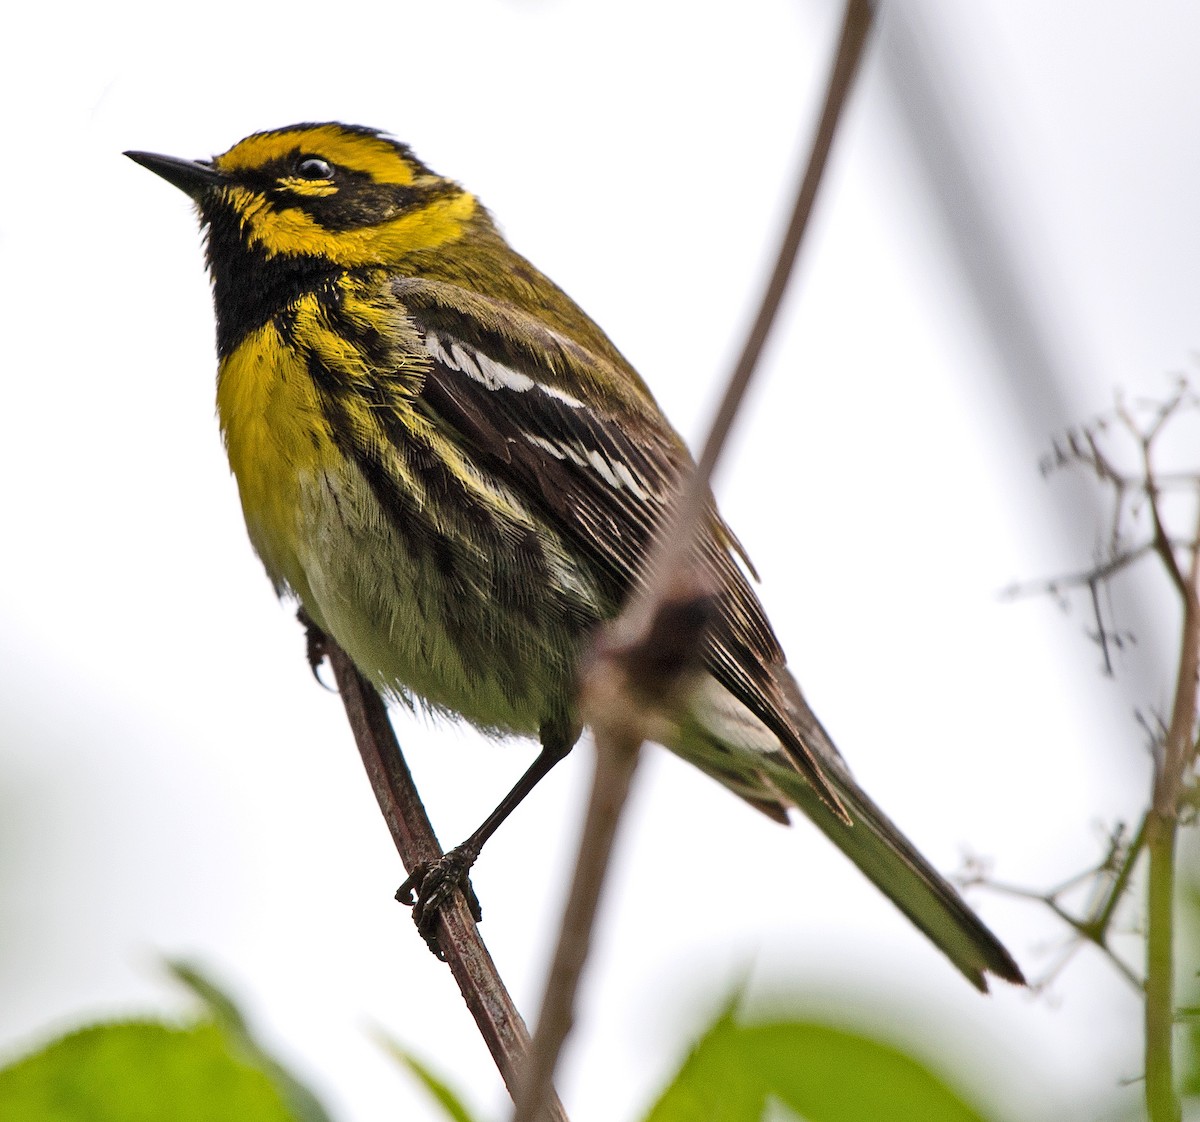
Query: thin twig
{"points": [[482, 989], [1093, 576], [1094, 926], [1120, 883], [1180, 738], [1162, 541], [610, 698], [1174, 746]]}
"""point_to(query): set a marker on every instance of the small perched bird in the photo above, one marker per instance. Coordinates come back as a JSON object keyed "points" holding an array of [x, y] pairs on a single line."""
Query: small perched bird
{"points": [[458, 476]]}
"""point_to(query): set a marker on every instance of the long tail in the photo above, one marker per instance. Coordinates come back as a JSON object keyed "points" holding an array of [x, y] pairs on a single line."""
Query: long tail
{"points": [[725, 740]]}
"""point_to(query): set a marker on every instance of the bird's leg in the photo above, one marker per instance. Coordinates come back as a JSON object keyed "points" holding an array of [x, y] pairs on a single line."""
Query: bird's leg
{"points": [[432, 883], [314, 647]]}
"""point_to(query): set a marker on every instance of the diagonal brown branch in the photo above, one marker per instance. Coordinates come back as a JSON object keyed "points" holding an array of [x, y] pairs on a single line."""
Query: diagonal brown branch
{"points": [[615, 700], [673, 546], [482, 989]]}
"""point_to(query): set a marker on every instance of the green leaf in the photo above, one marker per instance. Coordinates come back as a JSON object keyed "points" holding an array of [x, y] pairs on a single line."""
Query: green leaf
{"points": [[438, 1089], [820, 1073], [139, 1072], [143, 1071], [303, 1104]]}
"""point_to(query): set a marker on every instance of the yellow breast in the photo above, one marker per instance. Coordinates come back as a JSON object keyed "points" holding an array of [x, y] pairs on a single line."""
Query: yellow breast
{"points": [[278, 440]]}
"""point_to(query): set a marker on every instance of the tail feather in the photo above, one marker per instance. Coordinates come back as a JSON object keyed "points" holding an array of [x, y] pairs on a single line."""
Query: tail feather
{"points": [[720, 740], [895, 866]]}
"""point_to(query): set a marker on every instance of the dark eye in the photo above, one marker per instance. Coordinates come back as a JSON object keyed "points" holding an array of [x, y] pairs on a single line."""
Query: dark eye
{"points": [[313, 167]]}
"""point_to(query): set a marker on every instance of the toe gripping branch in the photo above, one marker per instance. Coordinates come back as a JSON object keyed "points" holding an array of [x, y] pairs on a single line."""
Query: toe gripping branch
{"points": [[432, 883]]}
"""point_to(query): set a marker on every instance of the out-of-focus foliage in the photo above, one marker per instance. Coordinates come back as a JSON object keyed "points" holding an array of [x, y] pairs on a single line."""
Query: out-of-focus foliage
{"points": [[144, 1071], [221, 1009], [139, 1072], [745, 1073], [822, 1074], [439, 1090]]}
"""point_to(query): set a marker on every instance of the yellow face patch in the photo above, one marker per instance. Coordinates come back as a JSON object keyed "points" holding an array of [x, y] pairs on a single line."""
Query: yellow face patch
{"points": [[289, 230], [308, 188], [372, 155]]}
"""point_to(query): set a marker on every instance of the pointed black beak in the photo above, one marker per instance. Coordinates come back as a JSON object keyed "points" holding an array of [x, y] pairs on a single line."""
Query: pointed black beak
{"points": [[192, 177]]}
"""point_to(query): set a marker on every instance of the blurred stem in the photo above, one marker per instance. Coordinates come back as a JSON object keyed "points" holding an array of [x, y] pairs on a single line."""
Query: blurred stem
{"points": [[1161, 1102], [1162, 824], [636, 650], [616, 760]]}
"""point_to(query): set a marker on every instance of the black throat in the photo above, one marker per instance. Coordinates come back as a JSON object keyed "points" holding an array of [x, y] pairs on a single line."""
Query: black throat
{"points": [[249, 288]]}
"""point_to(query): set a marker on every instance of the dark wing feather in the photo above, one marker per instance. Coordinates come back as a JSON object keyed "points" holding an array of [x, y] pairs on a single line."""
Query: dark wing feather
{"points": [[599, 461]]}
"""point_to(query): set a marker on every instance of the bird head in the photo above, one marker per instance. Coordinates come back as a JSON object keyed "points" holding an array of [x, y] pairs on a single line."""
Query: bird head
{"points": [[347, 195]]}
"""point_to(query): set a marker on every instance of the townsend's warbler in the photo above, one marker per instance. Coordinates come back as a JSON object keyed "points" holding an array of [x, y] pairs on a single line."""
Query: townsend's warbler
{"points": [[457, 475]]}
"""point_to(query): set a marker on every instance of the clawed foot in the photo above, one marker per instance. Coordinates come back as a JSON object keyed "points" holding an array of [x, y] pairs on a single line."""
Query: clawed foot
{"points": [[315, 647], [432, 883]]}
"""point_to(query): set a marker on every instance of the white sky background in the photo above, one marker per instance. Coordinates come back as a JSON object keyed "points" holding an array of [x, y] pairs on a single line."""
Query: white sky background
{"points": [[172, 781]]}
